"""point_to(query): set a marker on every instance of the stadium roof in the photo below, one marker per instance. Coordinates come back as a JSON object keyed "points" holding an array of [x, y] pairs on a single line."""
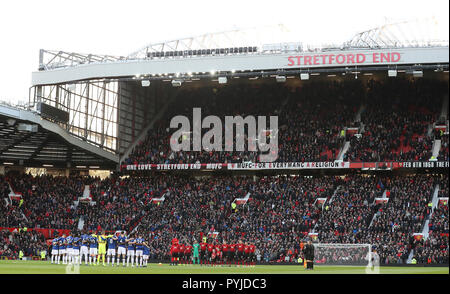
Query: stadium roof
{"points": [[28, 140], [417, 33], [266, 39]]}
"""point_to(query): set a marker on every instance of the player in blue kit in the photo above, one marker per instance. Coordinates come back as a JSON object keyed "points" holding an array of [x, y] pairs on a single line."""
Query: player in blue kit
{"points": [[145, 253], [84, 251], [92, 249], [76, 250], [55, 249], [62, 249], [121, 247], [69, 253], [139, 250], [130, 251], [112, 239]]}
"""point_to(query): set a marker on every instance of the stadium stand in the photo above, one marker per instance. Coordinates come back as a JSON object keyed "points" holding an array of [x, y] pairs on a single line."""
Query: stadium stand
{"points": [[396, 120], [444, 152], [394, 124], [155, 148], [280, 213], [47, 200], [348, 214], [435, 248], [403, 215], [30, 242], [313, 119]]}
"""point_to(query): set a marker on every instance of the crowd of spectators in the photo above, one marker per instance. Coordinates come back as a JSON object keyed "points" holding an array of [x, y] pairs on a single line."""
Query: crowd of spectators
{"points": [[119, 202], [404, 214], [342, 255], [282, 210], [31, 243], [354, 216], [279, 214], [310, 121], [225, 101], [435, 248], [314, 118], [395, 121], [394, 124], [10, 215], [349, 213], [46, 201], [444, 152]]}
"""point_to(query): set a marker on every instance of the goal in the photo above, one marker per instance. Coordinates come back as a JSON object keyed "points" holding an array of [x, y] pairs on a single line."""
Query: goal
{"points": [[342, 254]]}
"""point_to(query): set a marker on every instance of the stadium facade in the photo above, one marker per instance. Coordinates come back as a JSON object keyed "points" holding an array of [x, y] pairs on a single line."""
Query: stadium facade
{"points": [[111, 101]]}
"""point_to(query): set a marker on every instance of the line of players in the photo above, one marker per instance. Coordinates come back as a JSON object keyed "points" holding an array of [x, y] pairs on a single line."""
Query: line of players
{"points": [[73, 249], [213, 253]]}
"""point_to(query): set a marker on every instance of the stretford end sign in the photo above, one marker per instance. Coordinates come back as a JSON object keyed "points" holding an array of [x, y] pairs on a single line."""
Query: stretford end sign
{"points": [[344, 58]]}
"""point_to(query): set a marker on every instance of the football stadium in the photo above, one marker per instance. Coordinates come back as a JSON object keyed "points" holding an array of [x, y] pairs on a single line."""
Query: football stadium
{"points": [[220, 154]]}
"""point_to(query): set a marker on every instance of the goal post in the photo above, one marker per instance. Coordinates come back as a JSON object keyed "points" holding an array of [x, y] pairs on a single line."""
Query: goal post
{"points": [[342, 254]]}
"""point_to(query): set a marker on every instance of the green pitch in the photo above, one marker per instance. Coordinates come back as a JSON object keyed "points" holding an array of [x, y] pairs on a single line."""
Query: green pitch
{"points": [[44, 267]]}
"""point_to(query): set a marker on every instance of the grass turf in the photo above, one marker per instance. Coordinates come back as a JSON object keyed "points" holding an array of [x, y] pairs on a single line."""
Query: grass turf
{"points": [[44, 267]]}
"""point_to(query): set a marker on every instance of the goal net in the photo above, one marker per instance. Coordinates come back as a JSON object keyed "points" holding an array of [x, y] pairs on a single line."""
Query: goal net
{"points": [[342, 254]]}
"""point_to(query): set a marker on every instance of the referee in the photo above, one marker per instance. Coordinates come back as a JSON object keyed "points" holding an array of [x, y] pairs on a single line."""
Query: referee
{"points": [[308, 253]]}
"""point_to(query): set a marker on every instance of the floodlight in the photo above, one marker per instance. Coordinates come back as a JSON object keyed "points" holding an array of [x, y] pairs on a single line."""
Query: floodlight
{"points": [[176, 83], [222, 80], [280, 79], [392, 73], [417, 73], [304, 76]]}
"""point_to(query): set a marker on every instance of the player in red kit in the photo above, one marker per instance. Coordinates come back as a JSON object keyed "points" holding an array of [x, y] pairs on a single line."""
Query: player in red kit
{"points": [[181, 253], [225, 253], [240, 253], [252, 255], [218, 248], [209, 252], [232, 253], [246, 260], [213, 256], [174, 253], [203, 247], [187, 254]]}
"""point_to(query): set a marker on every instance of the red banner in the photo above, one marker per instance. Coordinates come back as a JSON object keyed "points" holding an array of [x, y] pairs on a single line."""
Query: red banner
{"points": [[313, 236], [381, 200], [242, 201], [15, 197]]}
